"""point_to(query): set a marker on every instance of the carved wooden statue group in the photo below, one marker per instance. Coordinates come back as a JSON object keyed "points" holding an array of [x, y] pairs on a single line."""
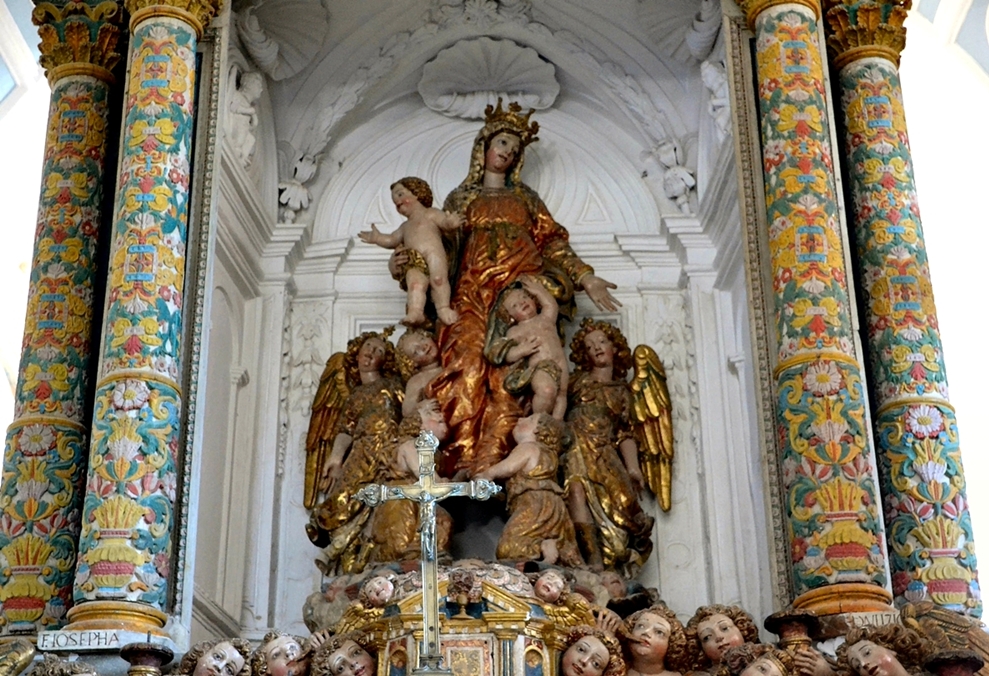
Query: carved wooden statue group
{"points": [[490, 281]]}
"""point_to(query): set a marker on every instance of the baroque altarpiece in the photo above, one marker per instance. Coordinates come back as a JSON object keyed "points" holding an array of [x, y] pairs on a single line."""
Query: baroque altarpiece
{"points": [[693, 335]]}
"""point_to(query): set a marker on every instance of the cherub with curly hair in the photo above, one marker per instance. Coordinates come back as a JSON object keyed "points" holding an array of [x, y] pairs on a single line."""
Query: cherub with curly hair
{"points": [[344, 655], [603, 476], [226, 657], [892, 650], [592, 652], [281, 654], [419, 361], [421, 237], [364, 426], [755, 659], [656, 643], [714, 629]]}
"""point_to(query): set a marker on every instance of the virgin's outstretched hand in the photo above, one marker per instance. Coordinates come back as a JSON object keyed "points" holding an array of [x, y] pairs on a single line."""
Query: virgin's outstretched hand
{"points": [[597, 290]]}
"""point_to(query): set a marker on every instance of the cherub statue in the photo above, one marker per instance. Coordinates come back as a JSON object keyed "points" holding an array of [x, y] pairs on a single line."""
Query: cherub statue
{"points": [[656, 643], [419, 361], [891, 650], [420, 235], [755, 659], [714, 629], [539, 526], [226, 657], [344, 655], [532, 345], [242, 117], [592, 652], [282, 654], [395, 523], [622, 441], [353, 426]]}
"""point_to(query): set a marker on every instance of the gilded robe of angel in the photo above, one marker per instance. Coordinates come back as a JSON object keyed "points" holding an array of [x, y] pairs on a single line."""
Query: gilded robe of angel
{"points": [[622, 442], [508, 232], [355, 415]]}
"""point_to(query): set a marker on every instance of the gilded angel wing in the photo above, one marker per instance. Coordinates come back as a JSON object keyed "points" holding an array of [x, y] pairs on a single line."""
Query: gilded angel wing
{"points": [[330, 397], [948, 629], [652, 420]]}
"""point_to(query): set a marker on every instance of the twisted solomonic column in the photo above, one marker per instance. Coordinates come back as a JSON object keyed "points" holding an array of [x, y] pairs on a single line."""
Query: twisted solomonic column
{"points": [[931, 553], [829, 478], [45, 456], [124, 569]]}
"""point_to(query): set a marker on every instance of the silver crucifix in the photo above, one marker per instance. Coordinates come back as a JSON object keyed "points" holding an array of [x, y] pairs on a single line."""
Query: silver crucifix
{"points": [[427, 492]]}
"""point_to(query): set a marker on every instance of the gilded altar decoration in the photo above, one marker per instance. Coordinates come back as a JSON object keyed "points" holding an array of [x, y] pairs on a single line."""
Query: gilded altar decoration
{"points": [[931, 550], [834, 523], [45, 456]]}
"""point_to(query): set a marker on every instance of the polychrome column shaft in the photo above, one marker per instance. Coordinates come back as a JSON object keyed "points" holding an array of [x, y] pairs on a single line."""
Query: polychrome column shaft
{"points": [[834, 523], [128, 513], [932, 555], [45, 456]]}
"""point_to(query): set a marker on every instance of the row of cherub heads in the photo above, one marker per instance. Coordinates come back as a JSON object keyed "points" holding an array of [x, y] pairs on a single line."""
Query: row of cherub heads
{"points": [[719, 640]]}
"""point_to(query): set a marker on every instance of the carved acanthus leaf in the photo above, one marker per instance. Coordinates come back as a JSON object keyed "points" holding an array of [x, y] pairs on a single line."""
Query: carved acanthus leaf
{"points": [[868, 28], [78, 33]]}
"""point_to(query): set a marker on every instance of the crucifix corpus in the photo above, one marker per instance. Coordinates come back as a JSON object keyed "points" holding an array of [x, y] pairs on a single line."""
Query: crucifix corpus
{"points": [[427, 492]]}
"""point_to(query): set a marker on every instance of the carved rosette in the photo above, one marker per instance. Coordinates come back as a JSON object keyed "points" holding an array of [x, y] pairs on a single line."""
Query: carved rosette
{"points": [[858, 30], [834, 524], [126, 539], [45, 455], [932, 554], [78, 38]]}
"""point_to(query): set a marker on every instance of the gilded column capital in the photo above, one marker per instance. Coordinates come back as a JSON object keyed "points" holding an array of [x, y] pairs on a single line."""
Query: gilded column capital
{"points": [[78, 38], [197, 13], [753, 8], [858, 29]]}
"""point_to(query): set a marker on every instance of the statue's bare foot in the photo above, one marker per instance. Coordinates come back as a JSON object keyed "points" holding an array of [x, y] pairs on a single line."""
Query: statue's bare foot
{"points": [[549, 551], [414, 319], [447, 315]]}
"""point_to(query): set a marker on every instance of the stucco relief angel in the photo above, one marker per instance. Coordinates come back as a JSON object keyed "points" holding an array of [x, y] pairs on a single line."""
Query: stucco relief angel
{"points": [[354, 422], [623, 442]]}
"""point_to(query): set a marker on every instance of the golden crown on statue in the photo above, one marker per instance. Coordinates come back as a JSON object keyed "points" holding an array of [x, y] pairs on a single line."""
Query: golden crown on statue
{"points": [[498, 119]]}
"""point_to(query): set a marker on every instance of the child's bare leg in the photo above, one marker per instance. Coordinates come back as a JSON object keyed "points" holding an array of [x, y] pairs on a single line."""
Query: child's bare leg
{"points": [[439, 285], [544, 392], [560, 407], [550, 551], [416, 282]]}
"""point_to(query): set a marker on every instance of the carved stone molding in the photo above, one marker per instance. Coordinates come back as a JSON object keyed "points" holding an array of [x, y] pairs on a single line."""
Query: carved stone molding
{"points": [[857, 30], [78, 38], [283, 36], [472, 74]]}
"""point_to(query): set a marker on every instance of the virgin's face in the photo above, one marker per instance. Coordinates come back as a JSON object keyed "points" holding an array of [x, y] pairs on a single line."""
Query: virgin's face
{"points": [[371, 355], [587, 657], [351, 660], [502, 150], [282, 656], [762, 667], [220, 660], [716, 634], [871, 659], [652, 637], [599, 348]]}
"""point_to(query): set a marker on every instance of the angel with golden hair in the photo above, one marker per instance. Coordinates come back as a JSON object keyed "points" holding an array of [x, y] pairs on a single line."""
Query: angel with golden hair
{"points": [[354, 422], [623, 442]]}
